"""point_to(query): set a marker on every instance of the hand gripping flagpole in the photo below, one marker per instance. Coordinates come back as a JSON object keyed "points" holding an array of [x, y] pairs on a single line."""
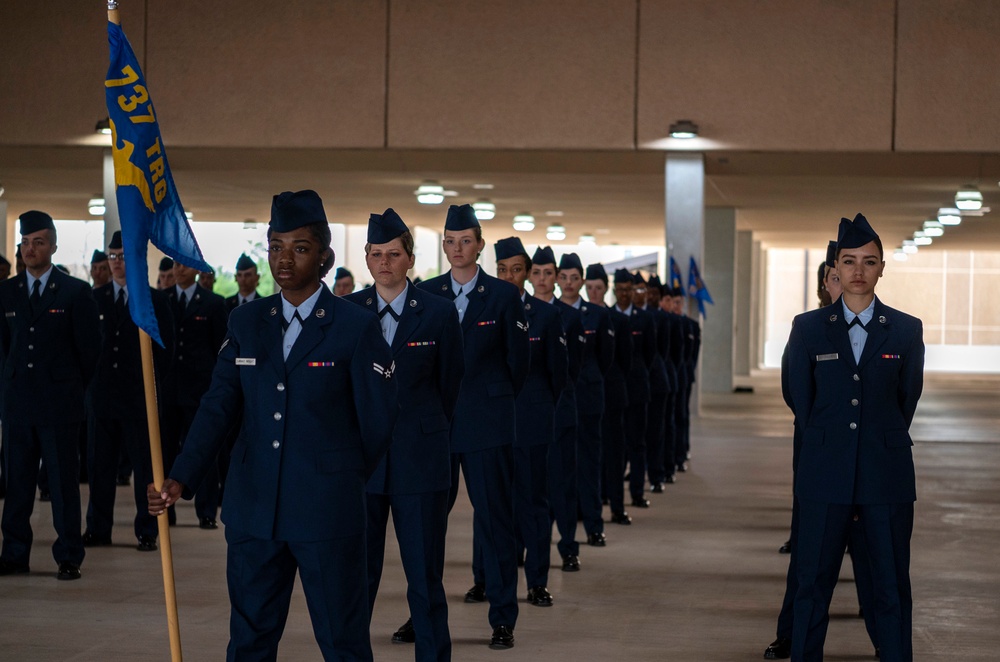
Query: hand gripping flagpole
{"points": [[156, 454]]}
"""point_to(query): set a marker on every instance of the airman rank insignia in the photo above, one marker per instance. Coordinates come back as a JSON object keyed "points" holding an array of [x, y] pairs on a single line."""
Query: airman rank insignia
{"points": [[562, 340], [224, 343], [520, 325], [611, 332], [385, 372], [583, 339]]}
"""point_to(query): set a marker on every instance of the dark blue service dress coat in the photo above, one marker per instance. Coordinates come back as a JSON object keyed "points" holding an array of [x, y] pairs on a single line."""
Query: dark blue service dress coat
{"points": [[314, 428], [856, 460]]}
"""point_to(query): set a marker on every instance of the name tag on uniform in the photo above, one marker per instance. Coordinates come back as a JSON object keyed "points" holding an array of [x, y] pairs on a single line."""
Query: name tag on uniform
{"points": [[827, 357], [241, 361], [10, 314]]}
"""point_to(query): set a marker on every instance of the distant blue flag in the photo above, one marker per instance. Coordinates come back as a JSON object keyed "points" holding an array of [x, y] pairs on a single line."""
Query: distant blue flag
{"points": [[148, 204], [676, 280], [696, 287]]}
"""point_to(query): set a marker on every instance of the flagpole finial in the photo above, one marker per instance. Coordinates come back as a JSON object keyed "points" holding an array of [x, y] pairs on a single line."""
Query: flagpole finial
{"points": [[112, 5], [113, 12]]}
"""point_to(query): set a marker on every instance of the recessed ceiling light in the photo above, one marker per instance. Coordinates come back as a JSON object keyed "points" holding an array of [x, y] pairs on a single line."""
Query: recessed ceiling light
{"points": [[524, 222], [899, 255], [909, 247], [432, 193], [189, 215], [555, 233], [553, 213], [602, 231], [933, 228], [587, 239], [968, 198], [485, 210], [483, 187], [949, 216], [96, 207], [684, 130]]}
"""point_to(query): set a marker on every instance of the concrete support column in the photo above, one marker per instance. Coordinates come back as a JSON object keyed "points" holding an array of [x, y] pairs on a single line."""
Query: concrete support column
{"points": [[718, 337], [758, 299], [684, 177], [743, 350], [6, 235]]}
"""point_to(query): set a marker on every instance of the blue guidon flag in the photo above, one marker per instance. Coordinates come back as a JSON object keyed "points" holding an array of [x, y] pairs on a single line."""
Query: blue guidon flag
{"points": [[148, 204], [676, 280], [697, 288]]}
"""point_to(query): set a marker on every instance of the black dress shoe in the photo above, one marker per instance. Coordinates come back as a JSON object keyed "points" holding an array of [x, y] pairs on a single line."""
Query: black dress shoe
{"points": [[621, 518], [7, 568], [670, 479], [68, 571], [786, 548], [597, 540], [405, 633], [503, 637], [207, 523], [681, 468], [780, 649], [657, 488], [641, 502], [539, 596], [571, 563], [146, 544], [90, 540], [476, 594]]}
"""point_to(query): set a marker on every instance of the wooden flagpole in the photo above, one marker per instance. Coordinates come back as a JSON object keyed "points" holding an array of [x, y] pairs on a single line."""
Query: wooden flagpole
{"points": [[156, 454]]}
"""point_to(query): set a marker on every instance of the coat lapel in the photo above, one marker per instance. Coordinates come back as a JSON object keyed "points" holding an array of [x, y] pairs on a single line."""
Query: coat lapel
{"points": [[836, 332], [878, 332], [269, 331], [48, 294], [313, 329], [409, 321], [477, 302]]}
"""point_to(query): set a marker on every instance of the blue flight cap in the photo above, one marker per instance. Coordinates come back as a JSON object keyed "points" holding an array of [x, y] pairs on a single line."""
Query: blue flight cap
{"points": [[855, 234], [116, 242], [290, 211], [509, 247], [596, 272], [166, 264], [831, 254], [99, 256], [654, 281], [544, 255], [384, 227], [245, 263], [622, 276], [343, 273], [570, 261], [461, 218], [33, 221], [677, 292], [637, 279]]}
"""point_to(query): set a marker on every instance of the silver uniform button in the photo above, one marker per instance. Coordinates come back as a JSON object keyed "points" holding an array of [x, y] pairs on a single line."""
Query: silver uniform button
{"points": [[281, 387], [31, 347], [31, 328], [114, 365], [31, 365], [856, 378], [275, 444], [854, 426], [277, 415], [854, 402]]}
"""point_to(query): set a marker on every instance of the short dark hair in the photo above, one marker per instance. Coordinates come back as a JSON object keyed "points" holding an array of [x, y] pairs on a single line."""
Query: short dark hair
{"points": [[320, 231]]}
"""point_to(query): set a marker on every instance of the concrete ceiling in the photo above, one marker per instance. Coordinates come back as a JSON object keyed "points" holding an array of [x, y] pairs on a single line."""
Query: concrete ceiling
{"points": [[786, 199]]}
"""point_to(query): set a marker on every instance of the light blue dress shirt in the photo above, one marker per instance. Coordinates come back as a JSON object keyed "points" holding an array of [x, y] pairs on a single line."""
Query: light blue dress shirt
{"points": [[390, 323], [461, 292], [294, 326], [858, 335]]}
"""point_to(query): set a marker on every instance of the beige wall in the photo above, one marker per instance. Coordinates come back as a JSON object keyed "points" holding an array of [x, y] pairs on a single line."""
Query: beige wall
{"points": [[810, 75]]}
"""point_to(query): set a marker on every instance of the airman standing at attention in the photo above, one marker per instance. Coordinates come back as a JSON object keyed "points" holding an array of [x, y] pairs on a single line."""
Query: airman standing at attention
{"points": [[413, 480], [536, 407], [247, 279], [49, 343], [165, 278], [343, 282], [662, 383], [206, 279], [563, 495], [312, 377], [117, 407], [483, 430], [100, 270], [598, 354]]}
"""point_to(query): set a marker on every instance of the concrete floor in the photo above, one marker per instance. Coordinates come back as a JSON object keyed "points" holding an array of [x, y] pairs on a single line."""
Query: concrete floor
{"points": [[697, 576]]}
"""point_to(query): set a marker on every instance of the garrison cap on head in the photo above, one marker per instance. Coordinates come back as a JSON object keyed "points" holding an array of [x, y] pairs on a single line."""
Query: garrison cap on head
{"points": [[543, 255], [33, 221], [245, 263], [116, 241], [570, 261], [855, 234], [654, 281], [211, 270], [509, 247], [831, 254], [384, 227], [596, 272], [461, 218], [166, 264], [622, 276], [676, 291], [292, 210], [98, 257], [343, 273], [637, 279]]}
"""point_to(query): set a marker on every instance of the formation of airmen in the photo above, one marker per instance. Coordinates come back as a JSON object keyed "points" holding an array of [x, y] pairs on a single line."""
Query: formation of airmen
{"points": [[361, 405]]}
